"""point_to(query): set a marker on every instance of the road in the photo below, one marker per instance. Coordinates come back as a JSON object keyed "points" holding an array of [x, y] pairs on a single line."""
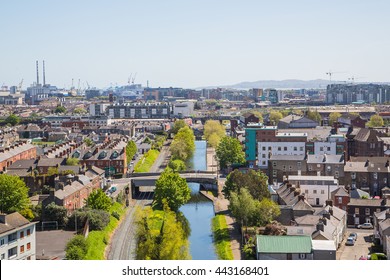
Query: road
{"points": [[162, 159], [360, 248], [123, 244]]}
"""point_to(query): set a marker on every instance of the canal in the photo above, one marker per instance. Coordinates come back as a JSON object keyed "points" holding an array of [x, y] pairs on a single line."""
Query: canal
{"points": [[199, 211]]}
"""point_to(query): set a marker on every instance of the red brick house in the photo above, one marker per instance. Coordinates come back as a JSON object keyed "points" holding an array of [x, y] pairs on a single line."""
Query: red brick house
{"points": [[18, 151]]}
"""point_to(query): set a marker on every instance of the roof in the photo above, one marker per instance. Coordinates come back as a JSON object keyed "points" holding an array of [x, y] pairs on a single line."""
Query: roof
{"points": [[384, 225], [371, 164], [319, 133], [365, 133], [5, 155], [22, 164], [308, 220], [328, 159], [287, 157], [358, 194], [49, 161], [368, 202], [340, 192], [283, 244], [13, 221], [69, 189], [323, 245]]}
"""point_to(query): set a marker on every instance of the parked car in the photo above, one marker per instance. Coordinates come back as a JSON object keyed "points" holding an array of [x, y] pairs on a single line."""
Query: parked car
{"points": [[366, 226], [350, 241], [353, 235]]}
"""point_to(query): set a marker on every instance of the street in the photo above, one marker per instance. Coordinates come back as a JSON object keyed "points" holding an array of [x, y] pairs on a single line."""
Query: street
{"points": [[360, 248]]}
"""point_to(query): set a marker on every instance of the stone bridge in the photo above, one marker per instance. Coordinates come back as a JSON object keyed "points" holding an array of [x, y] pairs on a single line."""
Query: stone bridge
{"points": [[207, 180]]}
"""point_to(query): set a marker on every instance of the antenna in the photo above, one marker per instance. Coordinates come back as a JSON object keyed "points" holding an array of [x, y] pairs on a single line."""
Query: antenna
{"points": [[44, 80], [37, 74]]}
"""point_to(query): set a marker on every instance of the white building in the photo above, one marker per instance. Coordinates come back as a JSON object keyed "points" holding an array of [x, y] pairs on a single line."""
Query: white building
{"points": [[98, 109], [17, 237], [317, 189], [265, 149], [184, 108]]}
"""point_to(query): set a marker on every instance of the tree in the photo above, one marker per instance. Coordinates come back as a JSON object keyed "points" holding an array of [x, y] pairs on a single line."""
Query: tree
{"points": [[60, 110], [214, 129], [80, 111], [99, 200], [172, 188], [257, 114], [88, 142], [274, 117], [13, 194], [314, 116], [243, 207], [72, 161], [375, 121], [229, 151], [267, 211], [76, 248], [177, 165], [333, 117], [12, 119], [255, 182], [131, 150], [52, 171], [160, 236], [179, 124], [183, 144], [53, 212]]}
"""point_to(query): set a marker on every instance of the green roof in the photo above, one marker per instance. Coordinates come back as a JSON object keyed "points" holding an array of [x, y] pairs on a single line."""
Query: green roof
{"points": [[283, 244]]}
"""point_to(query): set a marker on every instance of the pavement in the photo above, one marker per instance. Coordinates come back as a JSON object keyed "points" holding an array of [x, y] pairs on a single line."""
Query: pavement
{"points": [[52, 243], [360, 248]]}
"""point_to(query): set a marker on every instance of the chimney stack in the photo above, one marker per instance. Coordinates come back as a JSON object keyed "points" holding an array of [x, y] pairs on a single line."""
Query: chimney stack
{"points": [[320, 225], [44, 80], [329, 202], [37, 74]]}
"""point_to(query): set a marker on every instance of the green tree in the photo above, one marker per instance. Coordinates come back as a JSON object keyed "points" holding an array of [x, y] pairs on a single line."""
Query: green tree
{"points": [[257, 114], [131, 150], [243, 207], [160, 236], [229, 151], [60, 110], [375, 121], [275, 117], [177, 165], [314, 116], [12, 119], [79, 111], [88, 142], [266, 211], [72, 161], [183, 144], [13, 194], [53, 212], [172, 188], [76, 248], [179, 124], [333, 117], [52, 171], [213, 129], [255, 182], [99, 200]]}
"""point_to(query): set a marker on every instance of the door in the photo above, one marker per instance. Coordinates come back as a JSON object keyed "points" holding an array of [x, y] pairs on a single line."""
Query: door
{"points": [[317, 201]]}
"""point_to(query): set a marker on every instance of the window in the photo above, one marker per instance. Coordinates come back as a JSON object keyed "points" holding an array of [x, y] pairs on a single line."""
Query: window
{"points": [[322, 192], [2, 256], [295, 148], [357, 211], [302, 256], [12, 252], [336, 174], [378, 210], [367, 211], [21, 234], [321, 149], [314, 191], [284, 168], [285, 148], [299, 164], [12, 237], [328, 149], [263, 148], [22, 249], [290, 167], [2, 242], [263, 162], [306, 191], [269, 148], [279, 148], [310, 168], [29, 258], [263, 155], [28, 246], [274, 173], [274, 164], [340, 199], [353, 175], [301, 149]]}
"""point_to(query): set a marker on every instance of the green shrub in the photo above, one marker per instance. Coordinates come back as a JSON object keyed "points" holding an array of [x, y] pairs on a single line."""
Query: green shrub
{"points": [[76, 248], [116, 215]]}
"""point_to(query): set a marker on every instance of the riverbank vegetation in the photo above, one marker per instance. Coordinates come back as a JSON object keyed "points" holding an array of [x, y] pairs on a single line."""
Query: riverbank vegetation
{"points": [[229, 151], [183, 145], [146, 162], [214, 132], [221, 238]]}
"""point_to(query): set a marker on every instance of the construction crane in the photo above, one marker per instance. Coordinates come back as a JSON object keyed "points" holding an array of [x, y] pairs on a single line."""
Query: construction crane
{"points": [[330, 73], [135, 75], [353, 78], [129, 80], [20, 86]]}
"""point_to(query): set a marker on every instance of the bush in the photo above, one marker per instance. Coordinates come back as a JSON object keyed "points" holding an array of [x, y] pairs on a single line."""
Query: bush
{"points": [[76, 248], [116, 215], [98, 219], [53, 212]]}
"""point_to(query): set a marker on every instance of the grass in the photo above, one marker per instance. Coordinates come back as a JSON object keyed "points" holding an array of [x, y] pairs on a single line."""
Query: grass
{"points": [[221, 238], [146, 162], [98, 240]]}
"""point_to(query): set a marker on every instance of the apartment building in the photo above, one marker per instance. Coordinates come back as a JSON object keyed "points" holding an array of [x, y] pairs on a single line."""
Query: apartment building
{"points": [[17, 237]]}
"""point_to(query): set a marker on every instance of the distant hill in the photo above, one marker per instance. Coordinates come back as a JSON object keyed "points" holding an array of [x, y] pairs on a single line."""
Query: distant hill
{"points": [[284, 84]]}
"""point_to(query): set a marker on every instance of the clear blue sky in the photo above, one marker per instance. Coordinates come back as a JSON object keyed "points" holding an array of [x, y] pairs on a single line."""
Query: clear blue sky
{"points": [[193, 43]]}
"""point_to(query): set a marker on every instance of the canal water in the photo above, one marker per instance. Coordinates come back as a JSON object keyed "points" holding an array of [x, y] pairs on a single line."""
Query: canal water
{"points": [[199, 211]]}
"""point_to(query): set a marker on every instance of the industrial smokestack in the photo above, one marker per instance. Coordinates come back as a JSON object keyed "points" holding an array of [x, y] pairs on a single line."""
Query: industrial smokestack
{"points": [[37, 74], [44, 78]]}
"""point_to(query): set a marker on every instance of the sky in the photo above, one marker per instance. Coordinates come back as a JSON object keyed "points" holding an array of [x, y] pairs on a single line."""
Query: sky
{"points": [[193, 43]]}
